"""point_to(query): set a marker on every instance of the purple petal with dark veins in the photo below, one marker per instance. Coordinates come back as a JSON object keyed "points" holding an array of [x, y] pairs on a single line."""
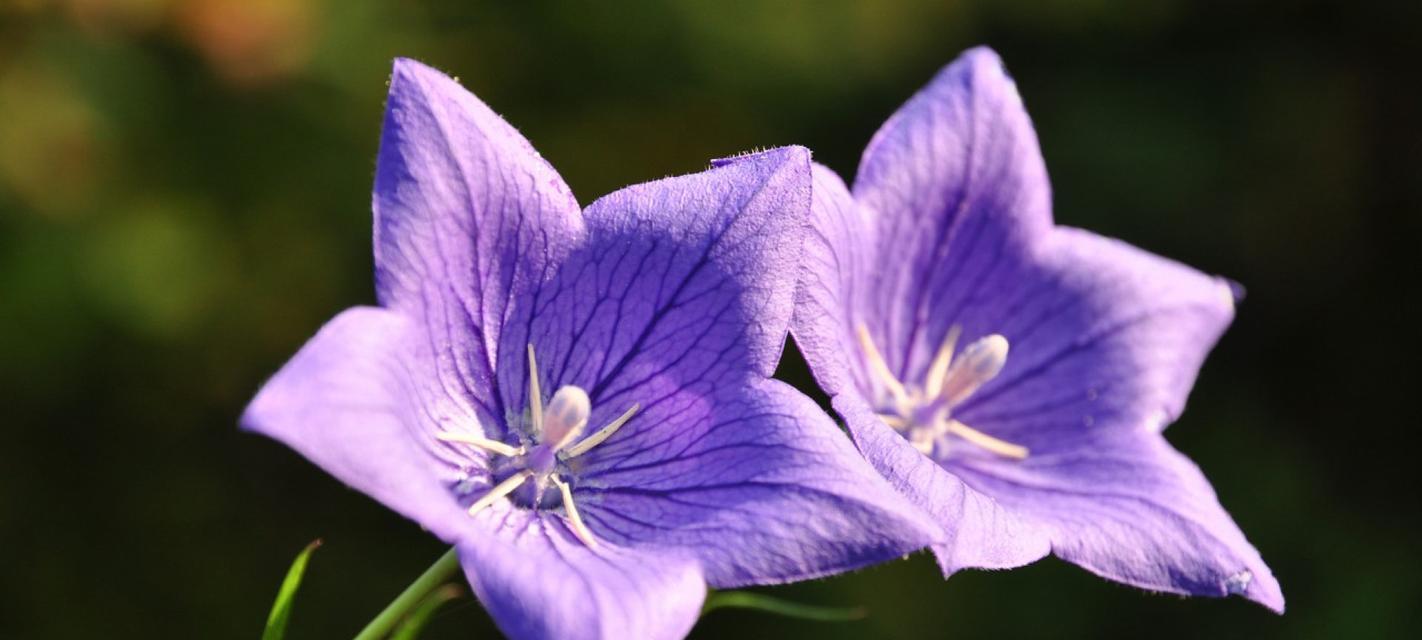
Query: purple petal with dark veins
{"points": [[1105, 337], [355, 400], [835, 281], [956, 184], [685, 280], [544, 583], [468, 219], [977, 531], [1133, 509], [755, 481]]}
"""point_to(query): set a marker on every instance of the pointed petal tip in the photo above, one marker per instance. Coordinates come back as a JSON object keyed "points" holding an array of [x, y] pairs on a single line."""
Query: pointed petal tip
{"points": [[981, 54], [258, 416], [248, 421], [791, 154], [1003, 555], [1233, 289], [950, 567], [401, 63], [978, 66], [402, 69], [409, 74], [1256, 584], [1261, 588]]}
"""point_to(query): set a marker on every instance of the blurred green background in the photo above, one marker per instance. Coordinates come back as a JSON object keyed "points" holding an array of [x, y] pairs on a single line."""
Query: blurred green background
{"points": [[184, 199]]}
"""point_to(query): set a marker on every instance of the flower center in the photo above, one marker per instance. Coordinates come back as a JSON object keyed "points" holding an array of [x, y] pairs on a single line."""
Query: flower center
{"points": [[924, 413], [554, 431]]}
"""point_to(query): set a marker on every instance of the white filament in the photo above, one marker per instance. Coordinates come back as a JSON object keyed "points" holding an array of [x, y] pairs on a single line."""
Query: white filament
{"points": [[881, 370], [574, 520], [502, 489], [556, 426], [535, 395], [923, 414], [492, 446], [602, 434]]}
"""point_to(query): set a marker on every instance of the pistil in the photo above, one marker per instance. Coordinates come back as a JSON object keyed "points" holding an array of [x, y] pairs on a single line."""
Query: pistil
{"points": [[554, 430], [924, 415]]}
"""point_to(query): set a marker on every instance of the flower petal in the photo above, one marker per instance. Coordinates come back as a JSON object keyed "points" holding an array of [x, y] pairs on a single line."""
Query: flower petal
{"points": [[544, 583], [688, 280], [1134, 510], [1105, 337], [834, 279], [349, 401], [468, 217], [956, 181], [754, 480], [977, 532]]}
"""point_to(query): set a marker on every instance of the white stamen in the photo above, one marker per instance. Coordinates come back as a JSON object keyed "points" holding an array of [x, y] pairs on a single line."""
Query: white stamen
{"points": [[924, 418], [922, 439], [566, 417], [894, 421], [602, 434], [936, 371], [575, 520], [535, 395], [980, 362], [492, 446], [504, 488], [1000, 447], [881, 368], [554, 426]]}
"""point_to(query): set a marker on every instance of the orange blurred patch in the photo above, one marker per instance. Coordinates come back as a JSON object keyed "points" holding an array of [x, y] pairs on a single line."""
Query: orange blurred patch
{"points": [[250, 42]]}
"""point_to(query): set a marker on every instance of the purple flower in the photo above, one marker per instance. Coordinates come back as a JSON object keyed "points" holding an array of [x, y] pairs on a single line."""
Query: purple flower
{"points": [[580, 401], [1011, 377]]}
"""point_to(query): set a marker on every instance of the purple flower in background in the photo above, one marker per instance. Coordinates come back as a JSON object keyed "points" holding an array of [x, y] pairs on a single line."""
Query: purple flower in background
{"points": [[1011, 377], [580, 401]]}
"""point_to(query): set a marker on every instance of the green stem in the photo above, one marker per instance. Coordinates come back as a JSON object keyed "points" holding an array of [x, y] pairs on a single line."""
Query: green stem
{"points": [[431, 579], [750, 600]]}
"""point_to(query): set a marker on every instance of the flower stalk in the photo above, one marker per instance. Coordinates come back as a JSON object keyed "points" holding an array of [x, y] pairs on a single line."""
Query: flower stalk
{"points": [[439, 572]]}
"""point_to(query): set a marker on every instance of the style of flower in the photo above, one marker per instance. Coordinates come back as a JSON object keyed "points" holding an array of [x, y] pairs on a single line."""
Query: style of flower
{"points": [[663, 459], [1012, 377]]}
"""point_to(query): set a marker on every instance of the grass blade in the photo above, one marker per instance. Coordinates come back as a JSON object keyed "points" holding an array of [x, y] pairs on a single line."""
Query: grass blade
{"points": [[414, 623], [281, 609]]}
